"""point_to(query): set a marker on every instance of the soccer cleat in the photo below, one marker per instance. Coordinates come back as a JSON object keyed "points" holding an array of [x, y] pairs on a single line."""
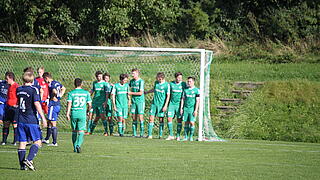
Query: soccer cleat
{"points": [[45, 141], [87, 133], [78, 149], [191, 139], [170, 138], [3, 143], [149, 137], [56, 144], [178, 139], [105, 134], [111, 134], [121, 135], [14, 144], [184, 139], [24, 168], [29, 164]]}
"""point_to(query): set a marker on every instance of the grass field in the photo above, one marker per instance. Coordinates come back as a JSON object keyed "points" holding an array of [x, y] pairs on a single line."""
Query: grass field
{"points": [[135, 158]]}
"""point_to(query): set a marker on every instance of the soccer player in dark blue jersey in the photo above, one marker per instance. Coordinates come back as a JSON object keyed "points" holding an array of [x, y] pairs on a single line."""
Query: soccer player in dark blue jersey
{"points": [[56, 91], [28, 124], [4, 86]]}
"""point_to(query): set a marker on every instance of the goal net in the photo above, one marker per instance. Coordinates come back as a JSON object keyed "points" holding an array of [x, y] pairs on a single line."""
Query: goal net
{"points": [[69, 62]]}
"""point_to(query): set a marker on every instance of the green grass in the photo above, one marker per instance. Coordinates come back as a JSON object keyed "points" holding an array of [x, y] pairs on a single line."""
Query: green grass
{"points": [[135, 158]]}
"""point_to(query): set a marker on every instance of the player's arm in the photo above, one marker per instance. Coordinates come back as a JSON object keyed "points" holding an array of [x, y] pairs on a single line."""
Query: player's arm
{"points": [[141, 90], [41, 93], [114, 102], [63, 90], [150, 91], [195, 113], [39, 109], [182, 103], [164, 109], [69, 109], [128, 96]]}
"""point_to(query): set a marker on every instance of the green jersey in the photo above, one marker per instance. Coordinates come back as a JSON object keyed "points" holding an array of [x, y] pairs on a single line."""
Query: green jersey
{"points": [[190, 96], [79, 99], [99, 89], [161, 90], [109, 90], [137, 86], [176, 90], [121, 93]]}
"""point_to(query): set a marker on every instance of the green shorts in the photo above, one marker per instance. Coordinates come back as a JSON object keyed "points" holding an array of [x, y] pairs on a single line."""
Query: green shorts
{"points": [[98, 109], [188, 115], [137, 108], [109, 110], [174, 111], [121, 112], [156, 110], [78, 124]]}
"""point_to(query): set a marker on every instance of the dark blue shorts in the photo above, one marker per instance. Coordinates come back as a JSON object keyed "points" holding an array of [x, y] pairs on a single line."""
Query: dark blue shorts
{"points": [[2, 110], [27, 132], [53, 113]]}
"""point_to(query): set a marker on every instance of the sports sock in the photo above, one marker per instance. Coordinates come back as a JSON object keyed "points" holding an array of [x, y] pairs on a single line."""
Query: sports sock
{"points": [[120, 128], [21, 155], [5, 133], [54, 134], [179, 127], [93, 125], [170, 128], [79, 139], [186, 130], [49, 132], [89, 126], [150, 128], [123, 127], [111, 127], [191, 131], [33, 151], [134, 127], [74, 138], [105, 125], [141, 128], [15, 135], [161, 129]]}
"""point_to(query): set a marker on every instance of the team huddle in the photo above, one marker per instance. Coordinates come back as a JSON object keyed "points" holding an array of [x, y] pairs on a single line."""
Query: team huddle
{"points": [[25, 107]]}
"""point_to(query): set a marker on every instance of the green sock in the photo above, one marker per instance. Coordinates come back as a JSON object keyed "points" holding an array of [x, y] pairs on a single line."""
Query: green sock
{"points": [[123, 127], [134, 127], [161, 129], [89, 125], [93, 126], [120, 128], [80, 139], [111, 127], [179, 127], [105, 125], [150, 128], [141, 128], [74, 138], [191, 131], [170, 127], [186, 130]]}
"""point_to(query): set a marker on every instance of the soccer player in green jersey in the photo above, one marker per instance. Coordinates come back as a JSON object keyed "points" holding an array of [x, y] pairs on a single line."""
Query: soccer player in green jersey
{"points": [[189, 108], [137, 101], [106, 77], [176, 89], [99, 89], [159, 104], [120, 101], [77, 113]]}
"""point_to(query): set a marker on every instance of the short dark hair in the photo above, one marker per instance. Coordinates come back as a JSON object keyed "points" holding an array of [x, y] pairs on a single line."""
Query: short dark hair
{"points": [[98, 73], [178, 74], [77, 82], [28, 69], [123, 76], [46, 74], [135, 70], [190, 77], [106, 74], [10, 75], [160, 75]]}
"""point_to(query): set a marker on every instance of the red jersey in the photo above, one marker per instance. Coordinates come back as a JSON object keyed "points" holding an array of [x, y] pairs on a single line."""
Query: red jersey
{"points": [[12, 94], [45, 87]]}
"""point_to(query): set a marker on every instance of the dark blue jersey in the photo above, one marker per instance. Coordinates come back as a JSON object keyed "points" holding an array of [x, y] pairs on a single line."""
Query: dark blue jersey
{"points": [[4, 86], [27, 95], [36, 84], [57, 86]]}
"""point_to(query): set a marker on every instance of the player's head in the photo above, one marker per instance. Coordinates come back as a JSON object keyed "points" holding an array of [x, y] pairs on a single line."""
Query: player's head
{"points": [[99, 75], [28, 69], [40, 71], [106, 77], [190, 81], [77, 82], [135, 73], [178, 76], [123, 78], [160, 76], [47, 77], [10, 77], [27, 77]]}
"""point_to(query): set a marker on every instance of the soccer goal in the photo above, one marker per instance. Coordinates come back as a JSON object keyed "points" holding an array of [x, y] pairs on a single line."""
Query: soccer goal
{"points": [[69, 62]]}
